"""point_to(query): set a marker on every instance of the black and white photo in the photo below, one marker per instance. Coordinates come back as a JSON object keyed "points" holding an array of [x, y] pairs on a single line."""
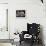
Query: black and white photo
{"points": [[20, 13]]}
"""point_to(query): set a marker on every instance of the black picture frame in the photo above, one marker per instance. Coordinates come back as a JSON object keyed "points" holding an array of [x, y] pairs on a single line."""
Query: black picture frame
{"points": [[20, 13]]}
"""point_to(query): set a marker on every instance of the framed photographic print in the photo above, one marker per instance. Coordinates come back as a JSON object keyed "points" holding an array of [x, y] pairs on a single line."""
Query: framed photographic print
{"points": [[20, 13]]}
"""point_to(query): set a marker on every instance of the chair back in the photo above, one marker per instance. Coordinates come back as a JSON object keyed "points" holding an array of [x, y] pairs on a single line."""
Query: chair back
{"points": [[33, 28]]}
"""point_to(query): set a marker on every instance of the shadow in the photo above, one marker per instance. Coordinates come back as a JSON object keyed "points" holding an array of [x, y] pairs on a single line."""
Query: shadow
{"points": [[41, 35]]}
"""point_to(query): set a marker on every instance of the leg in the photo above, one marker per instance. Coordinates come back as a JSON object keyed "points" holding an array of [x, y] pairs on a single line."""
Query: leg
{"points": [[20, 42]]}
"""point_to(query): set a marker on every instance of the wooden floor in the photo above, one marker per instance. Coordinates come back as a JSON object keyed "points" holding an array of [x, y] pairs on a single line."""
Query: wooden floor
{"points": [[6, 40], [27, 44]]}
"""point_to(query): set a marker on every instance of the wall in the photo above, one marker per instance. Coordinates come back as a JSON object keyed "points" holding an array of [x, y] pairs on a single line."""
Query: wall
{"points": [[3, 1]]}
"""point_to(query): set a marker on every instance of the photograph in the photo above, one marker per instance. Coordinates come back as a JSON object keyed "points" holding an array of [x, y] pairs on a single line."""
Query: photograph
{"points": [[22, 22], [20, 13]]}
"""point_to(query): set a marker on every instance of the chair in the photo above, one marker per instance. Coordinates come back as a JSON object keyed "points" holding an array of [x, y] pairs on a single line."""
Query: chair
{"points": [[33, 30]]}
